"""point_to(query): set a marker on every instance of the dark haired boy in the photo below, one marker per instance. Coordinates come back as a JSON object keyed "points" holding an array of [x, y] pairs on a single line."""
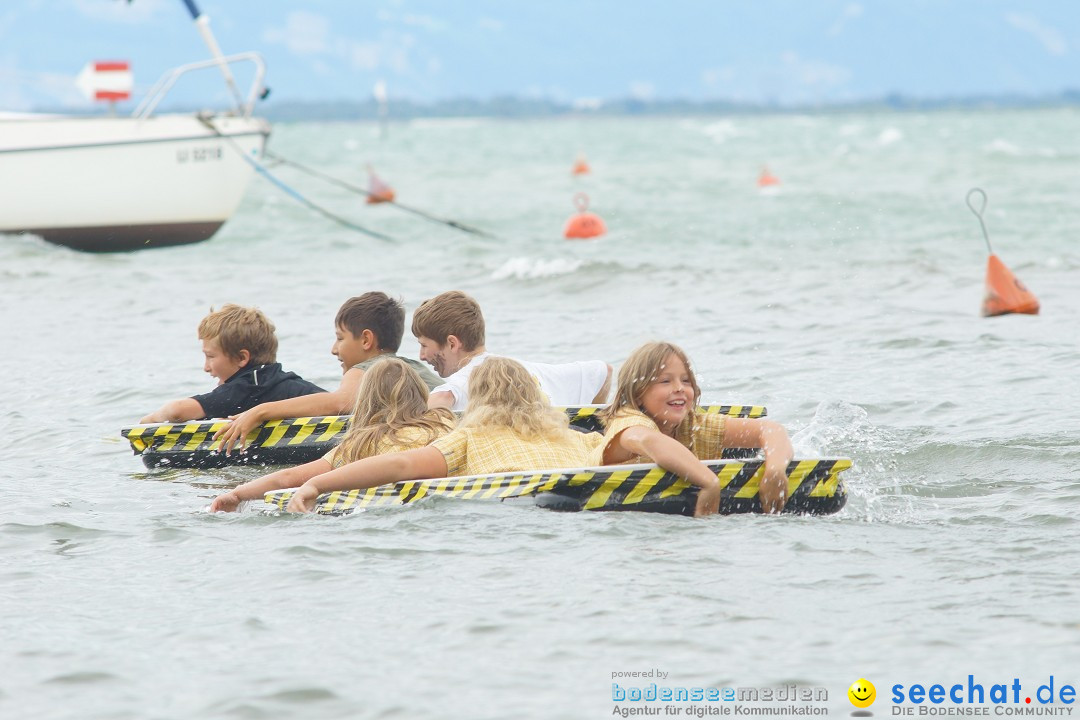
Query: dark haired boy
{"points": [[367, 329]]}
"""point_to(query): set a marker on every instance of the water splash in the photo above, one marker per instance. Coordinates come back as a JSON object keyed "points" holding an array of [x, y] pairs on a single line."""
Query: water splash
{"points": [[889, 136], [526, 268], [1002, 147], [836, 428]]}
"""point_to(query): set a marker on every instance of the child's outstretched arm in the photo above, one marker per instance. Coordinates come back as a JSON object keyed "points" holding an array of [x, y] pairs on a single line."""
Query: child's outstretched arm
{"points": [[773, 439], [176, 411], [418, 464], [673, 456], [339, 402], [281, 479]]}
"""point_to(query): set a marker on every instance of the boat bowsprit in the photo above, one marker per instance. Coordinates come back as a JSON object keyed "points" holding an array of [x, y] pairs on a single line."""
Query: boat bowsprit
{"points": [[296, 440], [814, 488]]}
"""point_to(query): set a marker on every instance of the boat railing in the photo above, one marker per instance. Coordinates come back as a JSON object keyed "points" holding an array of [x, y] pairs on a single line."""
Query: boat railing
{"points": [[162, 87]]}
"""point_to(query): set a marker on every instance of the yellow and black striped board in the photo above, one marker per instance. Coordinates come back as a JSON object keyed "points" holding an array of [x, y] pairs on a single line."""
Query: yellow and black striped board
{"points": [[297, 440], [814, 488]]}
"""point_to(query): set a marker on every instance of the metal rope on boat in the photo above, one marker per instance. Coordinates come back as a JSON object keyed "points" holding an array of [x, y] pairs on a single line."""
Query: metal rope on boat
{"points": [[361, 191], [291, 192]]}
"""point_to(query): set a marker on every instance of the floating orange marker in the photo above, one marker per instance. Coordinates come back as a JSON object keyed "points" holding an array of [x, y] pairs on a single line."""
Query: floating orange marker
{"points": [[1004, 292], [584, 225], [581, 167], [378, 191], [767, 179]]}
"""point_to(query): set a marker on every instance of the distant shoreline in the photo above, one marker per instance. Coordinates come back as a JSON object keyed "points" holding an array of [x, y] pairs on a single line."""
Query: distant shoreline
{"points": [[512, 107]]}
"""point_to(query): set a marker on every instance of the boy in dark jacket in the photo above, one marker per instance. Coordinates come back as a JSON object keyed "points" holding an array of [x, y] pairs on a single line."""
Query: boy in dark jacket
{"points": [[240, 349]]}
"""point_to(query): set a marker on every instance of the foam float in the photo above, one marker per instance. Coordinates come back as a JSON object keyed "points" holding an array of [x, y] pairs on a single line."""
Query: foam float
{"points": [[581, 166], [378, 191], [814, 488], [767, 179], [300, 440], [1004, 292], [585, 224]]}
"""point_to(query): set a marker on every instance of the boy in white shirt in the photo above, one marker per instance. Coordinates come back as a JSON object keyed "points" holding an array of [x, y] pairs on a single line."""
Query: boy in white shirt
{"points": [[450, 329]]}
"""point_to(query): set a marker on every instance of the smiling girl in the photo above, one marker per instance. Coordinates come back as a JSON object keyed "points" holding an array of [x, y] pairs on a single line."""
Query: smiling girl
{"points": [[654, 418]]}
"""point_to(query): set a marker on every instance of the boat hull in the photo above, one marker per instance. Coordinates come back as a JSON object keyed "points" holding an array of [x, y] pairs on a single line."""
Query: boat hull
{"points": [[120, 238], [113, 184]]}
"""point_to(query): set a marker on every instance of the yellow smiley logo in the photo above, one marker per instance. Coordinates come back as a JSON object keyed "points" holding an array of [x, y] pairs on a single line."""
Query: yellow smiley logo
{"points": [[862, 693]]}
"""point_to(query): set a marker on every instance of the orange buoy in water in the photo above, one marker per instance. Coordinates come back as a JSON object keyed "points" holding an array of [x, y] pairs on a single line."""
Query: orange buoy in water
{"points": [[378, 191], [1004, 292], [581, 167], [767, 179], [584, 225]]}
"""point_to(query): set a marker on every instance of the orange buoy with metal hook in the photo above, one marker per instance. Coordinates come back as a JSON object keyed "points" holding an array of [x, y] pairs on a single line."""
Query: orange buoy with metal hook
{"points": [[581, 167], [378, 191], [1004, 292], [767, 179], [585, 224]]}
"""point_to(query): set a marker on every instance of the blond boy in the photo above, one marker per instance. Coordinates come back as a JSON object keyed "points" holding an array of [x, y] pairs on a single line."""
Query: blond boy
{"points": [[450, 330], [240, 348]]}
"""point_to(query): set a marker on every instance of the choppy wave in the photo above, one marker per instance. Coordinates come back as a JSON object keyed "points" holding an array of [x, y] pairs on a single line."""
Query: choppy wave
{"points": [[722, 131], [528, 268], [1000, 146], [890, 136]]}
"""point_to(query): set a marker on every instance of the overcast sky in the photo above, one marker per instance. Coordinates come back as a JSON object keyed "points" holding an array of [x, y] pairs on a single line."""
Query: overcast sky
{"points": [[788, 51]]}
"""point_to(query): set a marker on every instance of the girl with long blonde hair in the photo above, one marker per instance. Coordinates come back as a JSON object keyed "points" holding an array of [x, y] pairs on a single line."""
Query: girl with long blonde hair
{"points": [[390, 415], [508, 425], [654, 418]]}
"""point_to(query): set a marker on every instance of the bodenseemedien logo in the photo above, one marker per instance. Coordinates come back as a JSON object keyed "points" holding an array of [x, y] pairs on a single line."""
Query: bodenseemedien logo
{"points": [[862, 695]]}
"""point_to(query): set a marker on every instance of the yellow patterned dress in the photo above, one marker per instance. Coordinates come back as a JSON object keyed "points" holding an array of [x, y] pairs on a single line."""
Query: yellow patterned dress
{"points": [[705, 438]]}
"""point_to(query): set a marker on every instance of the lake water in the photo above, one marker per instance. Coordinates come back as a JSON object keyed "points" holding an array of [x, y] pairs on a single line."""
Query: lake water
{"points": [[846, 301]]}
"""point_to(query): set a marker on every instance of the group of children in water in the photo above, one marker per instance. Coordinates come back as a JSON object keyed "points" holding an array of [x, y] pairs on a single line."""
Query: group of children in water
{"points": [[403, 425]]}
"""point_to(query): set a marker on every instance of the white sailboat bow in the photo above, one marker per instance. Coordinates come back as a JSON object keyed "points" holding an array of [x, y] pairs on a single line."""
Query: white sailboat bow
{"points": [[106, 183]]}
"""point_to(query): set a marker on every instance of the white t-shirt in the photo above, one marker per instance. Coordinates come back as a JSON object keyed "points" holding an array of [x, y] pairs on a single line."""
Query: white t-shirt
{"points": [[565, 384]]}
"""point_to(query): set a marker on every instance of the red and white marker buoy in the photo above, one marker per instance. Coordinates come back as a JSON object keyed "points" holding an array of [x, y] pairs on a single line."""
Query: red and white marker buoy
{"points": [[109, 80]]}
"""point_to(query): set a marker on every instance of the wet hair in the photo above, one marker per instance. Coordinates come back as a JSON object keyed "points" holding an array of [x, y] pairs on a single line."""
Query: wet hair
{"points": [[451, 313], [391, 398], [237, 328], [640, 371], [502, 394], [375, 311]]}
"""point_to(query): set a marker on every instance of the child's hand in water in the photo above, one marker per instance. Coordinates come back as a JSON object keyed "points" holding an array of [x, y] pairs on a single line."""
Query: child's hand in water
{"points": [[226, 502], [773, 491], [708, 499], [303, 500]]}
